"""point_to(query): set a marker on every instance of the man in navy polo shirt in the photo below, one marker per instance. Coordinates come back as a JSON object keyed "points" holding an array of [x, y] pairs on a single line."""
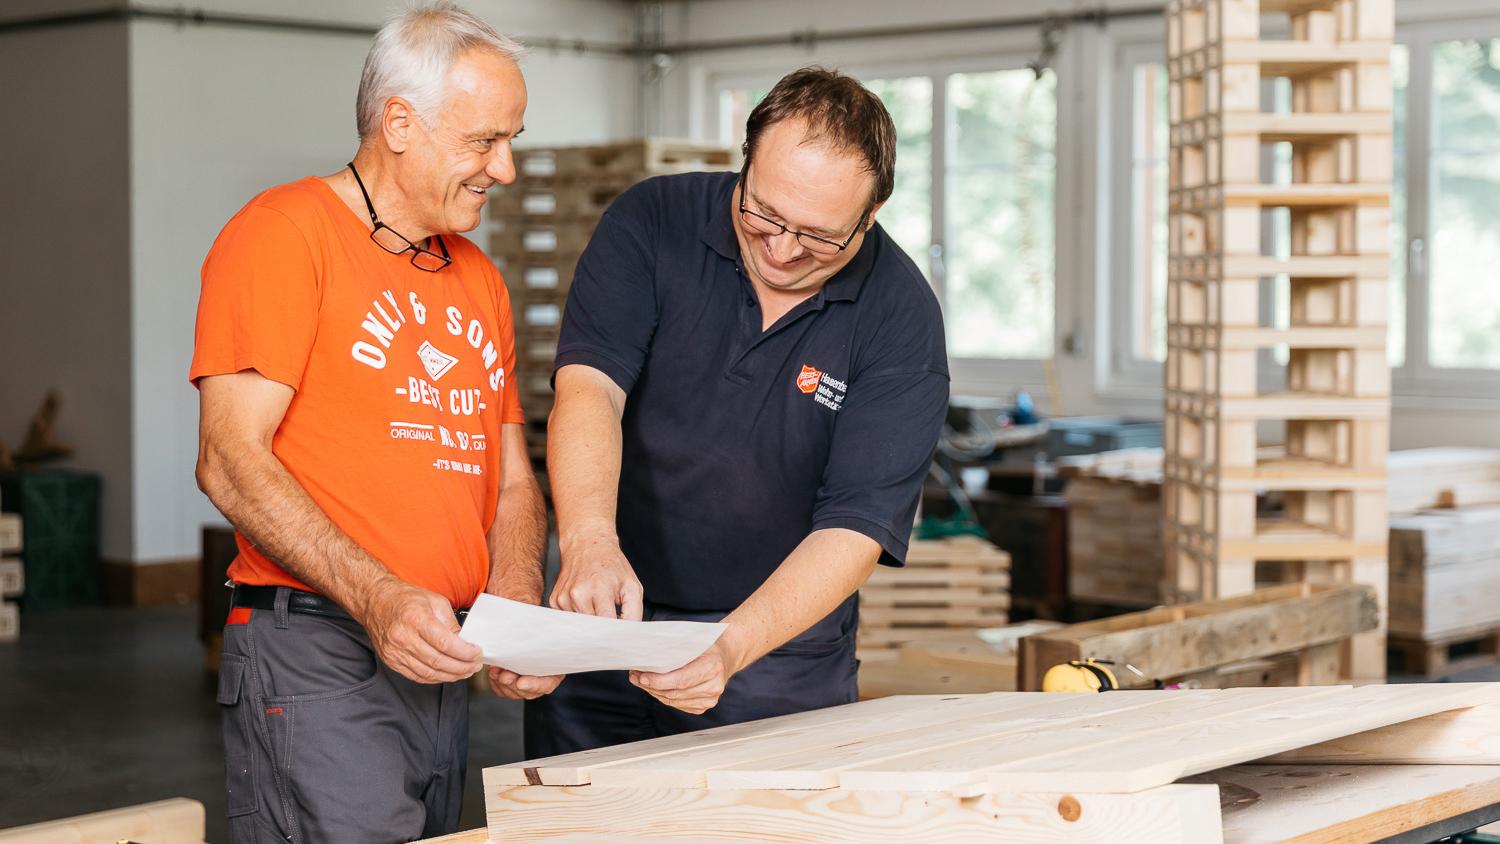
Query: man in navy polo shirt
{"points": [[750, 382]]}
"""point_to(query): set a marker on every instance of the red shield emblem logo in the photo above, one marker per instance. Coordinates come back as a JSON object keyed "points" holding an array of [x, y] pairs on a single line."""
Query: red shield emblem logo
{"points": [[808, 378]]}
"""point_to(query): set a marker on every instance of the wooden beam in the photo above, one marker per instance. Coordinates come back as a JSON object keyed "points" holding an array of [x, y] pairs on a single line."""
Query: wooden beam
{"points": [[1174, 814]]}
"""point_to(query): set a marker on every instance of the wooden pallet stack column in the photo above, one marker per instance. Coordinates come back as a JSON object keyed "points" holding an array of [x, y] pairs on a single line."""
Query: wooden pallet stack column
{"points": [[540, 226], [12, 576], [1330, 400]]}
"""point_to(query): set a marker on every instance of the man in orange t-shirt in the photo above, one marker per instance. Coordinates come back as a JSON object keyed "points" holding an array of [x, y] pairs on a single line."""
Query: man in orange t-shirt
{"points": [[361, 428]]}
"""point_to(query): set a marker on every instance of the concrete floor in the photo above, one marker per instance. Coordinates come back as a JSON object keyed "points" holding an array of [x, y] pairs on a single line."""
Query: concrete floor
{"points": [[102, 708]]}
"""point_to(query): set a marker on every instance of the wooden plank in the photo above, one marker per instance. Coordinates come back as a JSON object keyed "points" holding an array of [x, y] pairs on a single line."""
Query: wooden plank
{"points": [[174, 821], [573, 768], [927, 616], [939, 578], [1462, 736], [958, 759], [1270, 804], [1176, 641], [879, 679], [1175, 814], [1306, 195], [939, 597], [811, 757], [1208, 744]]}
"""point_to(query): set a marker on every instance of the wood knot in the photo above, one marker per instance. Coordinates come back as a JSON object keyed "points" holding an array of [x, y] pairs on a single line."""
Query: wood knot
{"points": [[1068, 808]]}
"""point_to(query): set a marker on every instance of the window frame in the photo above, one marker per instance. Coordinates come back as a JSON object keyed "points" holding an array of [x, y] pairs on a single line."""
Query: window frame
{"points": [[985, 375]]}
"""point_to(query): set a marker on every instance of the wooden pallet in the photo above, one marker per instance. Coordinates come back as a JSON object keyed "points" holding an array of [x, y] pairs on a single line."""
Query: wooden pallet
{"points": [[12, 578], [10, 532], [1115, 527], [1192, 640], [1002, 766], [1442, 655], [1445, 573], [947, 584], [638, 159], [1333, 404]]}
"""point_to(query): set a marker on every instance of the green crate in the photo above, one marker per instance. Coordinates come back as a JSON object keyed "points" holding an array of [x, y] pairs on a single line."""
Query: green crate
{"points": [[60, 535]]}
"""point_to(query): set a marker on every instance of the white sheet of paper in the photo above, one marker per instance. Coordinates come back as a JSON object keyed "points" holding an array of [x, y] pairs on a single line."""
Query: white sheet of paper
{"points": [[529, 639]]}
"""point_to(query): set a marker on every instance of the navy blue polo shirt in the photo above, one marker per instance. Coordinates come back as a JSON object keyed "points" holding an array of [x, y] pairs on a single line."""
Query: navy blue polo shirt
{"points": [[738, 442]]}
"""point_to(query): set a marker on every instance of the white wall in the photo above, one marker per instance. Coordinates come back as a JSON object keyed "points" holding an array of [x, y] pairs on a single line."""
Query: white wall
{"points": [[64, 268], [220, 113], [1083, 62]]}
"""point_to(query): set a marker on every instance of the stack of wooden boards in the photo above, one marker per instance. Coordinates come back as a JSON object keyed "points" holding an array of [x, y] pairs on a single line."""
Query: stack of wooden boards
{"points": [[1035, 767], [12, 576], [1115, 527], [541, 224], [947, 585], [1445, 587]]}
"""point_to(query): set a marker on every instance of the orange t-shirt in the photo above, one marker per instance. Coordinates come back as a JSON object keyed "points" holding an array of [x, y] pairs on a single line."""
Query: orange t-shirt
{"points": [[402, 377]]}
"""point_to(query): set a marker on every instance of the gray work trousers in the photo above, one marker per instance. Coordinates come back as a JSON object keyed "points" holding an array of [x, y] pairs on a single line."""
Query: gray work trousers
{"points": [[324, 744]]}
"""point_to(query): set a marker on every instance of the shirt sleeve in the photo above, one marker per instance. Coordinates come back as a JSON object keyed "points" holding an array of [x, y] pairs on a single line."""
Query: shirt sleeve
{"points": [[260, 298], [611, 313], [885, 434]]}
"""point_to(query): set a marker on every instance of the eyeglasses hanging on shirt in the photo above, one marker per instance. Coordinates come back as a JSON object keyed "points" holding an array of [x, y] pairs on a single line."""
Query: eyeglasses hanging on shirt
{"points": [[391, 241]]}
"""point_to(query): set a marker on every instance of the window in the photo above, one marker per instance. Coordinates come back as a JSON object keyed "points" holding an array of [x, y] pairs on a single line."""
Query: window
{"points": [[1148, 218], [1000, 220], [974, 210], [1464, 173]]}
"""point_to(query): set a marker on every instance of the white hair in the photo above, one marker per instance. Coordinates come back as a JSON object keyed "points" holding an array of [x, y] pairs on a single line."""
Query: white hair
{"points": [[411, 57]]}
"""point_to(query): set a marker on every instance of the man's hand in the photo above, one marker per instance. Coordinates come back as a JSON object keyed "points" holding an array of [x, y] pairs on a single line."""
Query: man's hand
{"points": [[694, 688], [416, 635], [509, 684], [596, 579]]}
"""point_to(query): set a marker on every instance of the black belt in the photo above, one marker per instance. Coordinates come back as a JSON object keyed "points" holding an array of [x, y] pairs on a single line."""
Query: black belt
{"points": [[264, 598]]}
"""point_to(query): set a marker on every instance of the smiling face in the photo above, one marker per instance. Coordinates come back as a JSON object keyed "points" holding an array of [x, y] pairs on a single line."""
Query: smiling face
{"points": [[449, 165], [807, 187]]}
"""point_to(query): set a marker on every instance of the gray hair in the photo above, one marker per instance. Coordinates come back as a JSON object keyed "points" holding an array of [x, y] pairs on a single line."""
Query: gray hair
{"points": [[411, 57]]}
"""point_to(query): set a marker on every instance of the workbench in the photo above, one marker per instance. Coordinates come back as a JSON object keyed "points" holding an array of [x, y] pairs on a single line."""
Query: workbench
{"points": [[1409, 763]]}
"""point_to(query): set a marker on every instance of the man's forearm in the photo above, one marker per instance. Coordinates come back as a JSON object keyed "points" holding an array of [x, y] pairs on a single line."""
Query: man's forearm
{"points": [[518, 542], [583, 456], [824, 569], [266, 504]]}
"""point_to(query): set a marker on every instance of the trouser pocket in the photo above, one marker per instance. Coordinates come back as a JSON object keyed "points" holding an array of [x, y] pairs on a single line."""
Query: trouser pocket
{"points": [[239, 762]]}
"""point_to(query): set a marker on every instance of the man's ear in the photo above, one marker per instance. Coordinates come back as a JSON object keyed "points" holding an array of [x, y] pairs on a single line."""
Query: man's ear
{"points": [[870, 217], [397, 123]]}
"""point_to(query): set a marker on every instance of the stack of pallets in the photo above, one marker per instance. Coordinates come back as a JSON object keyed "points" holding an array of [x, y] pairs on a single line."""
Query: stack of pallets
{"points": [[1224, 388], [947, 585], [12, 576], [1445, 588], [541, 224], [1115, 528]]}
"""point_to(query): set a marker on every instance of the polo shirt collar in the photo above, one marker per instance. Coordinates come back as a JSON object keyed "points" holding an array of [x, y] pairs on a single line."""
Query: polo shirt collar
{"points": [[846, 284]]}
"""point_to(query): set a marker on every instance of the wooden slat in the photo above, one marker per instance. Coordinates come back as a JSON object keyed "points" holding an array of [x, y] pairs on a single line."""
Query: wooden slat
{"points": [[1270, 804], [1306, 195], [1176, 814], [573, 768], [1141, 761], [960, 616], [956, 760], [809, 757], [882, 597], [1463, 736]]}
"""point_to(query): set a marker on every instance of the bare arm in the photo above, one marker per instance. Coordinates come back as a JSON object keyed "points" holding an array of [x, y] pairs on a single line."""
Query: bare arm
{"points": [[583, 461], [518, 549], [823, 570], [413, 630]]}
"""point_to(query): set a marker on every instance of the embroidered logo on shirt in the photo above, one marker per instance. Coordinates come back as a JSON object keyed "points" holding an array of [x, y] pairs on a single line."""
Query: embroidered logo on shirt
{"points": [[807, 379], [435, 362], [824, 388]]}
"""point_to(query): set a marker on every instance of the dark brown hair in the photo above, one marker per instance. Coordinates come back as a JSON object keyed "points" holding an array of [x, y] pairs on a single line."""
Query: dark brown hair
{"points": [[840, 112]]}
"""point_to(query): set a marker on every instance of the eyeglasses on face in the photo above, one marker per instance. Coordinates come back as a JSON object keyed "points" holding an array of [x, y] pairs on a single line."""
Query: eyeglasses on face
{"points": [[769, 227]]}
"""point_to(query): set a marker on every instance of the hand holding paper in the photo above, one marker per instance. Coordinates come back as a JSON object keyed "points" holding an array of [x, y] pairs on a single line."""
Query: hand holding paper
{"points": [[534, 640]]}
